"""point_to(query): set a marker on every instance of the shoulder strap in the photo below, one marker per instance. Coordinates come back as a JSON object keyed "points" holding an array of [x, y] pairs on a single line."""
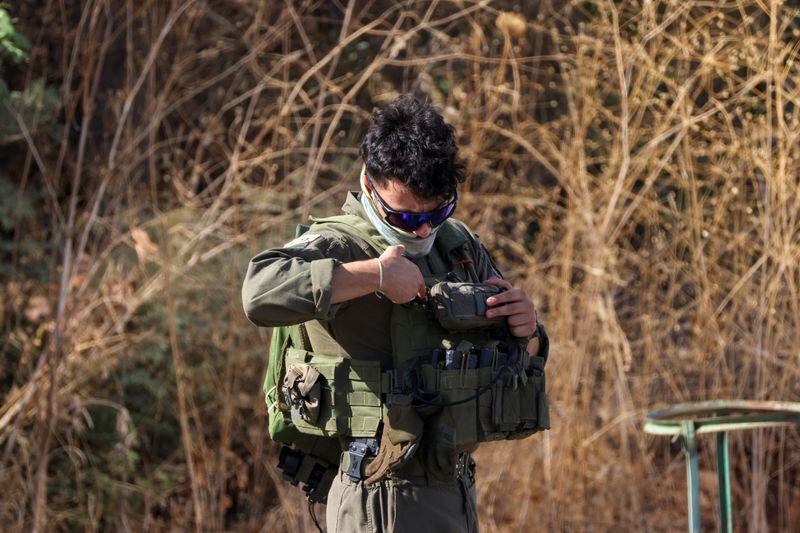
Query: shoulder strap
{"points": [[453, 234], [362, 231], [453, 242]]}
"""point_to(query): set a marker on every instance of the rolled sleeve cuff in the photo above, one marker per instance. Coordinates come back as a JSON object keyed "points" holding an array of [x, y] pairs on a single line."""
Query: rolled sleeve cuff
{"points": [[322, 287]]}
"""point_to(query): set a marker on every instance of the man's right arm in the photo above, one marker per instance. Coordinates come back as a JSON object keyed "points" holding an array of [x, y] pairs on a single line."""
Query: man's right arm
{"points": [[311, 277], [293, 284]]}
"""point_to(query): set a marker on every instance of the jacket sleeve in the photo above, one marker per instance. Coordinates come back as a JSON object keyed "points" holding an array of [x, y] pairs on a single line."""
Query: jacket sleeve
{"points": [[292, 284], [485, 265]]}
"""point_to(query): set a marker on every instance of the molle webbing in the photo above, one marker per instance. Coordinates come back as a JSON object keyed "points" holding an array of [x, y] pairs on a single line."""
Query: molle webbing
{"points": [[485, 387], [473, 403], [350, 403], [489, 388]]}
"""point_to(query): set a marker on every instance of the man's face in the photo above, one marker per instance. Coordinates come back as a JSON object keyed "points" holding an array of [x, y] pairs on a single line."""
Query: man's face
{"points": [[398, 197]]}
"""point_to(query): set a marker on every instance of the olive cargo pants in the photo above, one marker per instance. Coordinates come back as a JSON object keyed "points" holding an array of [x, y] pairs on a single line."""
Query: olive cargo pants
{"points": [[414, 503]]}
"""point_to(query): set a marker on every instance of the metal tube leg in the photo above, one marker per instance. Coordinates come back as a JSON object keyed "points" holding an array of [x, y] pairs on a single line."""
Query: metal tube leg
{"points": [[692, 475], [723, 473]]}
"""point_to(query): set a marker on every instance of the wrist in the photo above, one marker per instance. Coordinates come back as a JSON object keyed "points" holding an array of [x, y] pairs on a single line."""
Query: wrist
{"points": [[354, 280], [380, 274]]}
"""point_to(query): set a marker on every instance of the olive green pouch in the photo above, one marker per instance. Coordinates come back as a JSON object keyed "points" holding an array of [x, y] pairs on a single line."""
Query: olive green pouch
{"points": [[350, 403], [487, 426], [462, 306], [510, 415], [455, 386], [533, 396]]}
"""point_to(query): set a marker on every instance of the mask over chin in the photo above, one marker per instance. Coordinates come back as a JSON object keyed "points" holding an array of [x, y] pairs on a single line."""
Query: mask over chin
{"points": [[415, 246]]}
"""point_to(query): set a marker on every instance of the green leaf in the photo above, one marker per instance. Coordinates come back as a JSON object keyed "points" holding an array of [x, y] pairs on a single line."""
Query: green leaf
{"points": [[6, 27], [12, 44], [21, 41]]}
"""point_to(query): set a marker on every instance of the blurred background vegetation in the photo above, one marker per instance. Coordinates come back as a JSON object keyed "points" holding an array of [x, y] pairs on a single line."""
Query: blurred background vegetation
{"points": [[634, 166]]}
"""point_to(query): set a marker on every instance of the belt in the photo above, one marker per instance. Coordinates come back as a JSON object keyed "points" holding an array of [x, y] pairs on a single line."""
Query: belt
{"points": [[361, 451]]}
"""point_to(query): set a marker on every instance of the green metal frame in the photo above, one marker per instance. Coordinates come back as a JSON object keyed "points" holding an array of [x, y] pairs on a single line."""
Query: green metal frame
{"points": [[688, 420]]}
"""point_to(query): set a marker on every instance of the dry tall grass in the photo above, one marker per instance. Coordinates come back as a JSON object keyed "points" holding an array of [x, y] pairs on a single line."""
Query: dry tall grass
{"points": [[635, 166]]}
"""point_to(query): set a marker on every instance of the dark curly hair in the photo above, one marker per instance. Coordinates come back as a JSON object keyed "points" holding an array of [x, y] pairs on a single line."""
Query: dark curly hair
{"points": [[410, 142]]}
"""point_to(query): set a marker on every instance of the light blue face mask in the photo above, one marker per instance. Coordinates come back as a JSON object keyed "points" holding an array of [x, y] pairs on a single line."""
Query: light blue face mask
{"points": [[415, 246]]}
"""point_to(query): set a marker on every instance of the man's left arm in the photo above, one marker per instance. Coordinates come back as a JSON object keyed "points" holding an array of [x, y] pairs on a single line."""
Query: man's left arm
{"points": [[513, 303]]}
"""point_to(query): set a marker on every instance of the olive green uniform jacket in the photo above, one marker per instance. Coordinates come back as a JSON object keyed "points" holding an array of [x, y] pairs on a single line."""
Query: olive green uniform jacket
{"points": [[292, 284]]}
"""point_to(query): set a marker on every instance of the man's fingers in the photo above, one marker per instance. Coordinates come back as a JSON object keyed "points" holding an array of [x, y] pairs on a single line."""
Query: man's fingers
{"points": [[517, 320], [497, 282], [511, 295], [515, 308], [397, 249], [421, 292], [523, 331], [513, 304]]}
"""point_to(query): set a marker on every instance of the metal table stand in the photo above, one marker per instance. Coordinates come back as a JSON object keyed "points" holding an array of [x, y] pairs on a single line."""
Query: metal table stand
{"points": [[688, 420]]}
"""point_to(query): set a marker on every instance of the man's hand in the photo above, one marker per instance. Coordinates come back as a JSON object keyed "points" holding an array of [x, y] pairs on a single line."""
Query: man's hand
{"points": [[402, 279], [516, 306]]}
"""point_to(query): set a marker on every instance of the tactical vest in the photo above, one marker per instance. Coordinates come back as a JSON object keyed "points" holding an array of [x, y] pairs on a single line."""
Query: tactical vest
{"points": [[481, 383]]}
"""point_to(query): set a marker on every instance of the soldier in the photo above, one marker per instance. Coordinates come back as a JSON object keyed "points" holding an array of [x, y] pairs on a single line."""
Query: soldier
{"points": [[348, 297]]}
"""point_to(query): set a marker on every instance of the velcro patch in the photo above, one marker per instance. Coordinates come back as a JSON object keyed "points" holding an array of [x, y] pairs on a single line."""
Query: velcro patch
{"points": [[302, 241]]}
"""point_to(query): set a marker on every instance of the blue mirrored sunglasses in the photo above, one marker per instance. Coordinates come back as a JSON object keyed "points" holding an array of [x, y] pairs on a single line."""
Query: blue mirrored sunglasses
{"points": [[409, 221]]}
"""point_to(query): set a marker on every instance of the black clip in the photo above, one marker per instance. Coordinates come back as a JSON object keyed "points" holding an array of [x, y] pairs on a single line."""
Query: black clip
{"points": [[396, 384], [465, 467], [358, 450], [289, 461], [316, 474]]}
